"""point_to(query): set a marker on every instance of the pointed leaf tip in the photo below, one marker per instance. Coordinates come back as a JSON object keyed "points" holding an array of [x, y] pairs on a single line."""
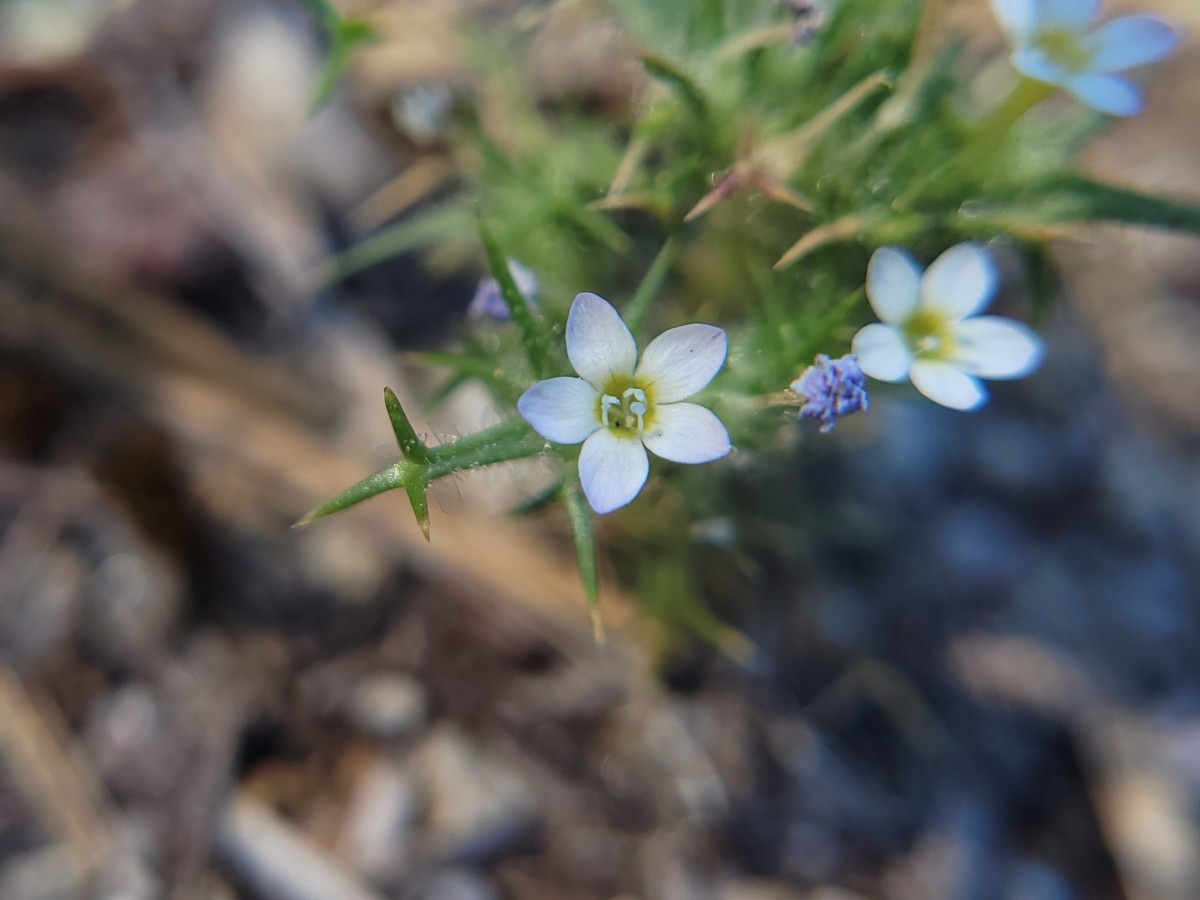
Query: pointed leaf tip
{"points": [[420, 506]]}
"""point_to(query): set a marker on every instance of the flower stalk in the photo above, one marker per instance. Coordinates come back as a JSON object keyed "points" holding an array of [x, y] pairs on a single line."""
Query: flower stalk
{"points": [[532, 338]]}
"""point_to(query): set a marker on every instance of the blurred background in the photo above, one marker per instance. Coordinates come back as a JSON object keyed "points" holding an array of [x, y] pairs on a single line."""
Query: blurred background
{"points": [[975, 663]]}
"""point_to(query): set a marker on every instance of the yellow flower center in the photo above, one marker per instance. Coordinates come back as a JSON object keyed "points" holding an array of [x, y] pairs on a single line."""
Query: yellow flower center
{"points": [[626, 407], [929, 335], [1063, 46]]}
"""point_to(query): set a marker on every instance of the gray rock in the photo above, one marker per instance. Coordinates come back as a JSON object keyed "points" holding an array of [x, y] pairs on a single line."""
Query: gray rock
{"points": [[389, 705], [980, 547], [133, 601], [479, 805], [453, 884], [130, 743], [51, 873], [1029, 880], [381, 822], [44, 615], [757, 889]]}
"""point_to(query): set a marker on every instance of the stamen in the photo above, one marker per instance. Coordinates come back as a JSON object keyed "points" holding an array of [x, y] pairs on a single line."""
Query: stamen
{"points": [[635, 401], [607, 402]]}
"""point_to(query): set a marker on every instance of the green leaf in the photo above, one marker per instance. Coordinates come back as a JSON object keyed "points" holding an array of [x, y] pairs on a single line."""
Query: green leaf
{"points": [[447, 389], [328, 16], [651, 283], [1073, 197], [411, 446], [345, 35], [420, 506], [441, 223], [388, 480], [675, 78], [422, 465], [472, 362], [532, 338]]}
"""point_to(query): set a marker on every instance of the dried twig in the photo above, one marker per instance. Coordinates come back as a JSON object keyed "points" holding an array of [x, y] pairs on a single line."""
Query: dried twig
{"points": [[53, 779]]}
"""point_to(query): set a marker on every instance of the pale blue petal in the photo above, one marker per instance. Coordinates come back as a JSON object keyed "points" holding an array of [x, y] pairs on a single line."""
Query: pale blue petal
{"points": [[564, 410], [1131, 41], [1110, 94], [687, 433], [681, 361], [1071, 15], [994, 347], [1037, 65], [946, 384], [893, 283], [881, 352], [960, 282], [1017, 17], [598, 343], [612, 470]]}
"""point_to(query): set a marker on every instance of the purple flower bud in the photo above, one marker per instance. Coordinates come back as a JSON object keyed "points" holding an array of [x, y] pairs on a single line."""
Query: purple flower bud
{"points": [[487, 303], [833, 388]]}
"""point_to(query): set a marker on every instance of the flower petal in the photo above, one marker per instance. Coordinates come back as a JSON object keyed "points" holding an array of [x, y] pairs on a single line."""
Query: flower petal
{"points": [[993, 347], [612, 469], [947, 384], [682, 360], [893, 283], [1072, 15], [881, 352], [1110, 94], [960, 282], [1131, 41], [598, 343], [687, 433], [565, 410], [1037, 65], [1016, 17]]}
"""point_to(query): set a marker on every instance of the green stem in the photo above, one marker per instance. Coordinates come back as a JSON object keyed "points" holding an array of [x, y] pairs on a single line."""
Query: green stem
{"points": [[829, 322], [583, 522], [651, 283], [977, 155], [990, 132], [509, 440], [532, 337]]}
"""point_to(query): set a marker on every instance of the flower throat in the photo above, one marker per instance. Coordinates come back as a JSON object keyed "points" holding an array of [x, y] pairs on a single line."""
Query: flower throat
{"points": [[626, 413]]}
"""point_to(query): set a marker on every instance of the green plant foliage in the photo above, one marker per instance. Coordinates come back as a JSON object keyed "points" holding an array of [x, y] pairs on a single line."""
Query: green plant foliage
{"points": [[745, 183]]}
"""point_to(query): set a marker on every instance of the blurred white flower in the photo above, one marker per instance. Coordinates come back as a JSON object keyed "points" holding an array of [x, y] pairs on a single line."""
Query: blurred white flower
{"points": [[930, 332], [620, 407], [1054, 41]]}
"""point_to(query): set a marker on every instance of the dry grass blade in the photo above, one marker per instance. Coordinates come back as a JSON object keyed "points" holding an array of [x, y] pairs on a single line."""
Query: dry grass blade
{"points": [[54, 780]]}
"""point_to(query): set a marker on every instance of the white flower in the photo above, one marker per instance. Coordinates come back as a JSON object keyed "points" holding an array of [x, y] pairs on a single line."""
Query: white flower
{"points": [[931, 333], [620, 408], [1054, 41]]}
